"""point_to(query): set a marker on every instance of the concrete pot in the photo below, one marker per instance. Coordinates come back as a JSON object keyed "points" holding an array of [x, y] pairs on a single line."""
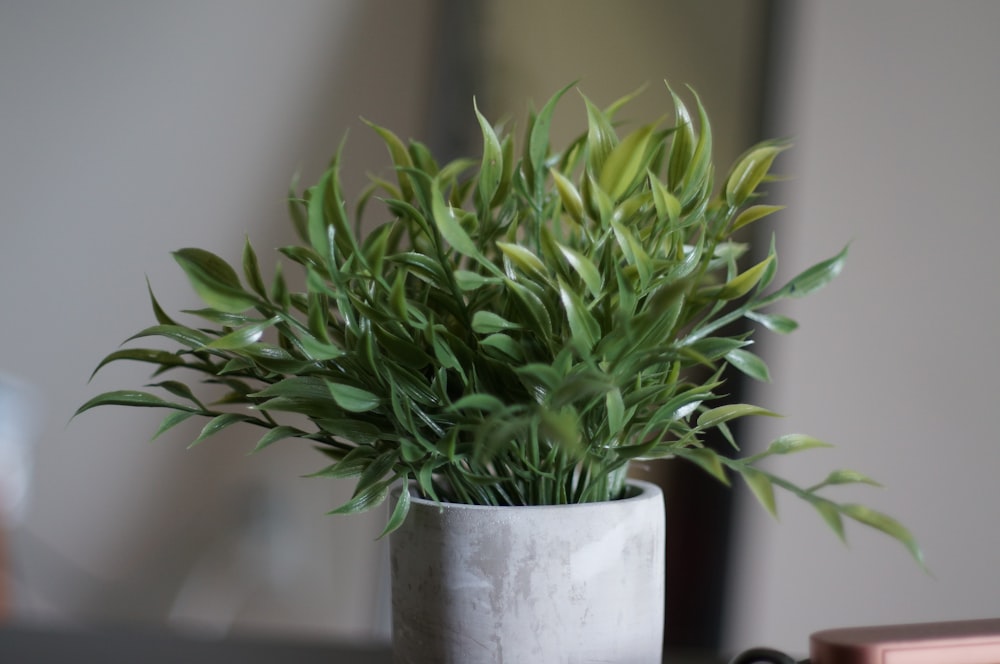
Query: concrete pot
{"points": [[547, 584]]}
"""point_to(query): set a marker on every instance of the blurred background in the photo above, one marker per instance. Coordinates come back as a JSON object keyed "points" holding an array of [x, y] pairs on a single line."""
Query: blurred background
{"points": [[130, 129]]}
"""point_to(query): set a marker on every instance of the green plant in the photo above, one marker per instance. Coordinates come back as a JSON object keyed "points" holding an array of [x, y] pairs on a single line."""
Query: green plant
{"points": [[513, 331]]}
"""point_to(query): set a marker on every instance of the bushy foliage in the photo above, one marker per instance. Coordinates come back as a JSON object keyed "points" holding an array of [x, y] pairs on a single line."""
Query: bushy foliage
{"points": [[515, 331]]}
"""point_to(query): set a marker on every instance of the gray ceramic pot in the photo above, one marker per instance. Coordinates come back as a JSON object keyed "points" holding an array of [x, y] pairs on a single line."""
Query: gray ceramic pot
{"points": [[566, 583]]}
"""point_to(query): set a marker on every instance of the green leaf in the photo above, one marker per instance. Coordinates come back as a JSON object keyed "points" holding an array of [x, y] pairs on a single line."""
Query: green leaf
{"points": [[468, 281], [794, 442], [749, 172], [812, 279], [161, 357], [194, 339], [538, 139], [716, 416], [601, 136], [526, 261], [616, 411], [773, 322], [214, 280], [400, 157], [132, 398], [372, 496], [274, 435], [161, 316], [844, 476], [217, 424], [571, 201], [831, 515], [400, 511], [353, 399], [887, 525], [682, 146], [625, 163], [170, 421], [741, 284], [667, 205], [707, 460], [251, 270], [491, 168], [584, 329], [487, 322], [510, 349], [243, 337], [749, 364], [761, 487], [481, 401], [585, 268], [449, 227], [752, 214]]}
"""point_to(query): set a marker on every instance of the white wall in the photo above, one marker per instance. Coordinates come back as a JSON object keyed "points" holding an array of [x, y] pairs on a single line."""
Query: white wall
{"points": [[894, 107], [128, 130]]}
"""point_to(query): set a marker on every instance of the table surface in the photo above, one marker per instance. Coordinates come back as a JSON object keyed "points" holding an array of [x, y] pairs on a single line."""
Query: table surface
{"points": [[35, 644]]}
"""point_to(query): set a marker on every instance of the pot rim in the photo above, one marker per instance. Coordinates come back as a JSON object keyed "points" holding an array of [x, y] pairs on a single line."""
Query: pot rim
{"points": [[645, 491]]}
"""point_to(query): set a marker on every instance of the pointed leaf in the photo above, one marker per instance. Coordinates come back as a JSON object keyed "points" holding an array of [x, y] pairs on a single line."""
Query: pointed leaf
{"points": [[749, 172], [716, 416], [585, 268], [625, 163], [794, 442], [353, 399], [749, 364], [812, 279], [762, 488], [274, 435], [887, 525], [752, 214], [487, 322], [742, 283], [400, 511], [132, 398], [491, 168], [170, 421], [571, 201], [217, 424], [244, 336], [214, 280], [831, 515], [774, 322]]}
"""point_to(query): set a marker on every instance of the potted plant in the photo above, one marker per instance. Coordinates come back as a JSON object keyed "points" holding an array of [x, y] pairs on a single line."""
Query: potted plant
{"points": [[509, 335]]}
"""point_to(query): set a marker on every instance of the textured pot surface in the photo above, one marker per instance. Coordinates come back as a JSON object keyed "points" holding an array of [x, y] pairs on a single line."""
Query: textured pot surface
{"points": [[548, 584]]}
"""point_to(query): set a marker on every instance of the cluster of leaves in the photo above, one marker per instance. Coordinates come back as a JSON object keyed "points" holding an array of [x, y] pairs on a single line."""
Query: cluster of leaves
{"points": [[515, 331]]}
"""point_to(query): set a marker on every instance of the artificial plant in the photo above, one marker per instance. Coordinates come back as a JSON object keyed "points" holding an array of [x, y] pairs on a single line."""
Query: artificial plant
{"points": [[514, 329]]}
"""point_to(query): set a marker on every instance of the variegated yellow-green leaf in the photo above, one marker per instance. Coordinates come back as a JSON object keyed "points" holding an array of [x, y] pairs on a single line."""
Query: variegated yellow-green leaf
{"points": [[625, 163], [571, 201], [749, 173], [526, 261], [742, 283], [753, 213]]}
